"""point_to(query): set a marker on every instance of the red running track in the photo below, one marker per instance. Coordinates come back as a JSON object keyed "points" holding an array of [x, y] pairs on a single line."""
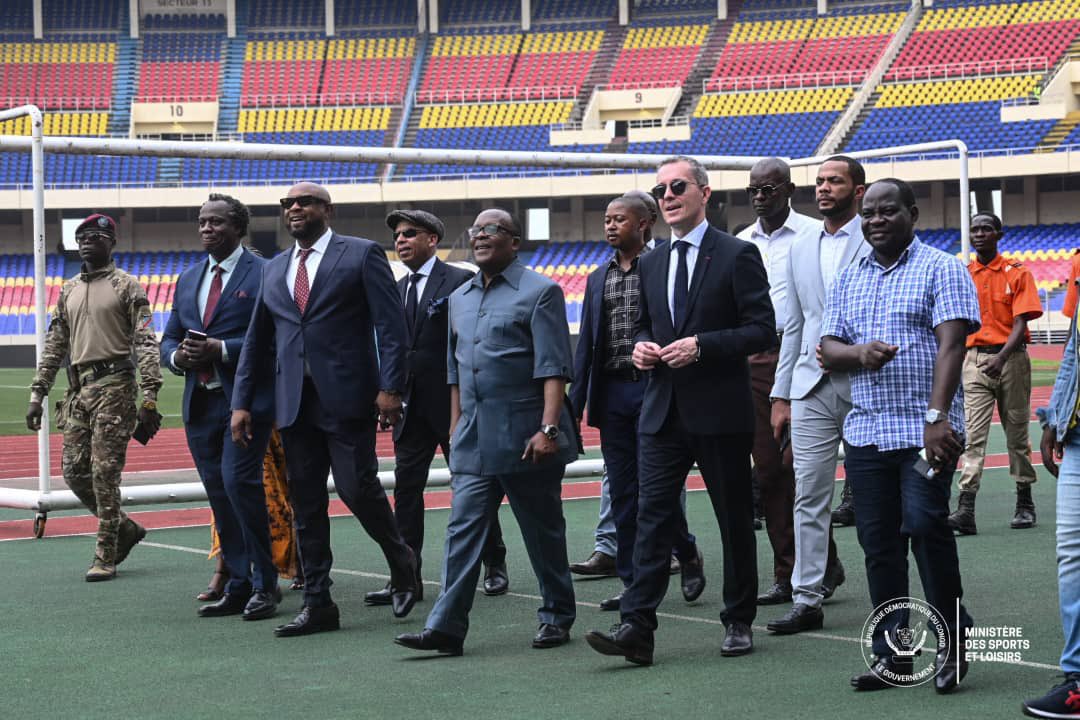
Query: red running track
{"points": [[169, 451]]}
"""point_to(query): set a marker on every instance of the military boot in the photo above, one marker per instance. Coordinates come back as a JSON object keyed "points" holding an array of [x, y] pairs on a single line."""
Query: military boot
{"points": [[963, 520], [1024, 517], [130, 534], [844, 514], [100, 570]]}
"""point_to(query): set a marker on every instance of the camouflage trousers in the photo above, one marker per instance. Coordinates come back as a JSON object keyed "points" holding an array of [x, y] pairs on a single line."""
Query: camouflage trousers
{"points": [[97, 427]]}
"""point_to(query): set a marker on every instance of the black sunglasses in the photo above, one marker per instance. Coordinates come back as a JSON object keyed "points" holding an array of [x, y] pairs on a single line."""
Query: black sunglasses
{"points": [[678, 187], [410, 233], [766, 190], [301, 200], [489, 229]]}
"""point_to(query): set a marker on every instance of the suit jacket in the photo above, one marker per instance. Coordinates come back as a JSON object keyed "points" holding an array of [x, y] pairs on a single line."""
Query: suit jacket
{"points": [[352, 299], [730, 312], [426, 392], [228, 323], [590, 352], [798, 372]]}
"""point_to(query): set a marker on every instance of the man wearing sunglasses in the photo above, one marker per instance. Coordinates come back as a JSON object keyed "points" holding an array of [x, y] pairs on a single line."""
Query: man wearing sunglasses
{"points": [[508, 362], [322, 304], [776, 228], [704, 308], [425, 424]]}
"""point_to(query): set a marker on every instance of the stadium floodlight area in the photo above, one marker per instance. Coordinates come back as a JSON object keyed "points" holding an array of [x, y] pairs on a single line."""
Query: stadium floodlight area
{"points": [[45, 499]]}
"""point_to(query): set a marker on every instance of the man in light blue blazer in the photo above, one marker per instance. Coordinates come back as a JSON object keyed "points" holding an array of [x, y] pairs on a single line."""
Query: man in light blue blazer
{"points": [[211, 309], [812, 401]]}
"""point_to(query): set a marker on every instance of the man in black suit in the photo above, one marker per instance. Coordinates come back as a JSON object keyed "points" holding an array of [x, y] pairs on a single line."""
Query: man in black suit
{"points": [[425, 424], [704, 308], [321, 305]]}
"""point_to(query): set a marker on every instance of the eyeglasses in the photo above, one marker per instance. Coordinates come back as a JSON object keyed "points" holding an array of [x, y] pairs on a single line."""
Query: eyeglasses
{"points": [[766, 190], [489, 229], [409, 233], [678, 187], [301, 200]]}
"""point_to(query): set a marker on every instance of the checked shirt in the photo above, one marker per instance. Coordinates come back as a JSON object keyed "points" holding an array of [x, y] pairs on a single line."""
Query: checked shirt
{"points": [[622, 292], [900, 305]]}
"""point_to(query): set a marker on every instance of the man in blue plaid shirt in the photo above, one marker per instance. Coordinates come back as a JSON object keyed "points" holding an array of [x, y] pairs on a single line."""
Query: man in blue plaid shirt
{"points": [[897, 321]]}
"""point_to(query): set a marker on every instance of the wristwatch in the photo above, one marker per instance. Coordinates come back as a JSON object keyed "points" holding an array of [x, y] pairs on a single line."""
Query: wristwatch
{"points": [[934, 416], [552, 431], [149, 405]]}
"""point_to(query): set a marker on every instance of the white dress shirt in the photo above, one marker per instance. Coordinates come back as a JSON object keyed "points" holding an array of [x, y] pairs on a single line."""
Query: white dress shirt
{"points": [[425, 273], [694, 237], [228, 265], [318, 250], [831, 250], [774, 248]]}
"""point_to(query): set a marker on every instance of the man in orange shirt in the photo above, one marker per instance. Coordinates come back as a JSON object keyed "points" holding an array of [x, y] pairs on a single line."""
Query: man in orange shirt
{"points": [[997, 370], [1071, 292]]}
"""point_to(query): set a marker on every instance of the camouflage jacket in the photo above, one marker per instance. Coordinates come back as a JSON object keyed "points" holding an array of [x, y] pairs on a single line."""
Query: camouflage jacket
{"points": [[135, 326]]}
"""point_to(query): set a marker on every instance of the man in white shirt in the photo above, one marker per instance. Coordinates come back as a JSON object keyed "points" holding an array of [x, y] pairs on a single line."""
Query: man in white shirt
{"points": [[777, 227]]}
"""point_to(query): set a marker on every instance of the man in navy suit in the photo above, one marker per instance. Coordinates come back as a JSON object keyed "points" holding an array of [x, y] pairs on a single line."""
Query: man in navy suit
{"points": [[329, 320], [704, 307], [211, 310], [613, 388], [425, 293]]}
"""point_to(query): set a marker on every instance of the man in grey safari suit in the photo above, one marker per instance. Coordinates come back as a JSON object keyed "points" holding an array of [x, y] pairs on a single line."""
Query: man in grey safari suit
{"points": [[508, 362], [814, 402]]}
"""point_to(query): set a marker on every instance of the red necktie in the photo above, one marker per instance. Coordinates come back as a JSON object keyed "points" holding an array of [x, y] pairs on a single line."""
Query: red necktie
{"points": [[301, 288], [206, 375]]}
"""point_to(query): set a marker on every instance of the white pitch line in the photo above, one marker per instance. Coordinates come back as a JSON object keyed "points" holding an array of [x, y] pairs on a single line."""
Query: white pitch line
{"points": [[595, 606]]}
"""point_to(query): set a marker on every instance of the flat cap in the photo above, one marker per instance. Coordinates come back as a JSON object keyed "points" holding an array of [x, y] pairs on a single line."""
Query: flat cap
{"points": [[419, 218], [99, 222]]}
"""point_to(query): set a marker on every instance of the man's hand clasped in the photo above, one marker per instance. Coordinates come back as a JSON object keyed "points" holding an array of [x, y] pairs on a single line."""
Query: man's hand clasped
{"points": [[678, 354]]}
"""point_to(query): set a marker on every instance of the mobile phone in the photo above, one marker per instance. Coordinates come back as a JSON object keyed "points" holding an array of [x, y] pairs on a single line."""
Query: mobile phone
{"points": [[923, 467], [785, 438], [196, 335]]}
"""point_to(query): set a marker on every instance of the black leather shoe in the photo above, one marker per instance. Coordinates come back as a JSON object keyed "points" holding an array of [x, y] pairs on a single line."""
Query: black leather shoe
{"points": [[834, 578], [598, 565], [625, 640], [738, 641], [549, 636], [778, 594], [402, 601], [379, 597], [440, 642], [311, 620], [693, 578], [263, 604], [799, 618], [884, 674], [229, 604], [676, 567], [612, 603], [496, 582], [949, 672]]}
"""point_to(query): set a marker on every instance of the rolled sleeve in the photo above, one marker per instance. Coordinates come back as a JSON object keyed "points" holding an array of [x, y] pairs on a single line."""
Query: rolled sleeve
{"points": [[551, 336], [1026, 303]]}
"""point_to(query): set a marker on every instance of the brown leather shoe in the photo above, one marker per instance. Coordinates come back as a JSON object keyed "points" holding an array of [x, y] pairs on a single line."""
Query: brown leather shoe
{"points": [[598, 565]]}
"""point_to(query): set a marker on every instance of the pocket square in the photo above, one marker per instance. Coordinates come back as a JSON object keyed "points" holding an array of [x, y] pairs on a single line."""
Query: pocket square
{"points": [[240, 294]]}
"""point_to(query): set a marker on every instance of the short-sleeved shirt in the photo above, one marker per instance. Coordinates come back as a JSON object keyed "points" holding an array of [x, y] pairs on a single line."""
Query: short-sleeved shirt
{"points": [[504, 341], [899, 305], [1071, 292], [1006, 291]]}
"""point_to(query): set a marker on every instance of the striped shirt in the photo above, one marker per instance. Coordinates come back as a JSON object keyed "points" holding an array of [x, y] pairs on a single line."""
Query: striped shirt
{"points": [[899, 305]]}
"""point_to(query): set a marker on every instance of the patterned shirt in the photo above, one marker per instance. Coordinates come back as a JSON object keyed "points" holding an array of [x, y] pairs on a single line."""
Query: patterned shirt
{"points": [[899, 305], [622, 290]]}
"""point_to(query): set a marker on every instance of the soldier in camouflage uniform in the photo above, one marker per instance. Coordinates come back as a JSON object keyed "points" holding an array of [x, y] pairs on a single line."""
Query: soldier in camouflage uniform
{"points": [[102, 317]]}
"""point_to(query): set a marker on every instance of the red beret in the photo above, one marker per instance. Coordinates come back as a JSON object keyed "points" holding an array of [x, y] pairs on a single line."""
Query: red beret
{"points": [[99, 222]]}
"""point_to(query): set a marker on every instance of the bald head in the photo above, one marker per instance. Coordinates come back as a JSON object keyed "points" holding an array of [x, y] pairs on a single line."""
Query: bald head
{"points": [[307, 210], [310, 188], [771, 167], [770, 191]]}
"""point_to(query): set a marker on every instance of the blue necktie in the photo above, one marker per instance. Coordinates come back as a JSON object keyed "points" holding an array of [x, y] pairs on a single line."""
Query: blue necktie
{"points": [[682, 285]]}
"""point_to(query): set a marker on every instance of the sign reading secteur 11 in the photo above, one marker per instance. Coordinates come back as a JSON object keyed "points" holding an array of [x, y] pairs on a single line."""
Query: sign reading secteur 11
{"points": [[181, 7]]}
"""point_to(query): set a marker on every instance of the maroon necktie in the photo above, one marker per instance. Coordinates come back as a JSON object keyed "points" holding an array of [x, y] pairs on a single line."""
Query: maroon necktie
{"points": [[301, 288], [207, 374]]}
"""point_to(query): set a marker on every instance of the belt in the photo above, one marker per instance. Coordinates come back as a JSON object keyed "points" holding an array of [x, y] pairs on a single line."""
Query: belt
{"points": [[88, 372], [779, 336], [216, 389], [994, 349], [624, 375]]}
